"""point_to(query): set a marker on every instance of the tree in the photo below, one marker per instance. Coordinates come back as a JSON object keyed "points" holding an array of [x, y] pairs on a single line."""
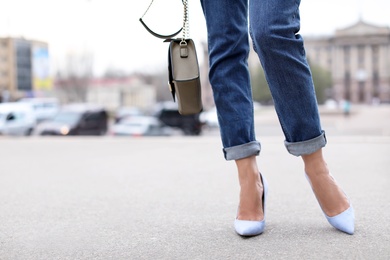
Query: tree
{"points": [[74, 77], [260, 90], [322, 83]]}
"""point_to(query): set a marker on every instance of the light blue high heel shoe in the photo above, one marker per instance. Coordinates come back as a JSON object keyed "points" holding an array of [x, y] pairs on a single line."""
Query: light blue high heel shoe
{"points": [[345, 221], [249, 227]]}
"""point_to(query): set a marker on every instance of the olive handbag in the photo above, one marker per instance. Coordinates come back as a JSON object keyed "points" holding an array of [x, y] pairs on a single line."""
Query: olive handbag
{"points": [[183, 67]]}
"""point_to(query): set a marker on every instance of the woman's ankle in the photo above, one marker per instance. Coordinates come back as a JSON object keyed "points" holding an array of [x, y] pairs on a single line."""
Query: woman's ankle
{"points": [[251, 191], [315, 164], [248, 172], [329, 195]]}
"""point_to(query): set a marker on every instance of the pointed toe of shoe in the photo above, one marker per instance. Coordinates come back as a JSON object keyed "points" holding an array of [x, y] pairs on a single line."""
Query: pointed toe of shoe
{"points": [[345, 221], [249, 228]]}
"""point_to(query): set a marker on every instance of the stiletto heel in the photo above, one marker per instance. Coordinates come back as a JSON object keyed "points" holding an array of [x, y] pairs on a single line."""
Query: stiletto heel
{"points": [[345, 221], [249, 227]]}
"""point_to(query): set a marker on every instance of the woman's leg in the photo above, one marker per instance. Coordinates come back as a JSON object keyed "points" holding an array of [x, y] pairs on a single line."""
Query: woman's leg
{"points": [[251, 191], [329, 195], [228, 44], [274, 26]]}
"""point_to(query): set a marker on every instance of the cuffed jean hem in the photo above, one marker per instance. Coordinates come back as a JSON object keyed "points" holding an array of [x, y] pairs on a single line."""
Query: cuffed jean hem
{"points": [[242, 151], [306, 147]]}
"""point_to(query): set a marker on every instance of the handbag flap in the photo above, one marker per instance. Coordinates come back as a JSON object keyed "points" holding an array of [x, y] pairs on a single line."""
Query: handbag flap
{"points": [[184, 62]]}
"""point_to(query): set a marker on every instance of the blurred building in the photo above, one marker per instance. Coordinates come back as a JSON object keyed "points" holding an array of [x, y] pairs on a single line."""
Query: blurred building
{"points": [[358, 58], [24, 68], [112, 93], [125, 92]]}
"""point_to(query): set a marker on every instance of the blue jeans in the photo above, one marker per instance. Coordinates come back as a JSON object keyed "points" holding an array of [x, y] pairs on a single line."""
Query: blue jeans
{"points": [[274, 26]]}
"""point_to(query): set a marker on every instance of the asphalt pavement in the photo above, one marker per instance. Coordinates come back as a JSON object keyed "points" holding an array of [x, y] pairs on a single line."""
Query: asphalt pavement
{"points": [[176, 197]]}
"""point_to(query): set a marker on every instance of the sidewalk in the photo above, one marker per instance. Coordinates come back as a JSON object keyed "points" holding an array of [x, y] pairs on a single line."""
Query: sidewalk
{"points": [[176, 198]]}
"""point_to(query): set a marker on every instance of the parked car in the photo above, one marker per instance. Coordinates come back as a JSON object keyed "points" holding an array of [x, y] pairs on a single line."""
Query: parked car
{"points": [[125, 112], [76, 119], [140, 126], [44, 108], [168, 113], [16, 119]]}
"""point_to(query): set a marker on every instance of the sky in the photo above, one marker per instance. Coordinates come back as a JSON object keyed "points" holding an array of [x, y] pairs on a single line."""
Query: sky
{"points": [[110, 29]]}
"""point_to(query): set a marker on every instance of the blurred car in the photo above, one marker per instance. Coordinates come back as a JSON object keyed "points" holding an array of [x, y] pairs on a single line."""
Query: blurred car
{"points": [[44, 108], [140, 126], [76, 119], [331, 104], [125, 112], [16, 119], [209, 118], [167, 112]]}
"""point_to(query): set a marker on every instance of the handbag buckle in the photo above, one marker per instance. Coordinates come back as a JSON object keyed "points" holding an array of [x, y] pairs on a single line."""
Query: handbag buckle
{"points": [[183, 49]]}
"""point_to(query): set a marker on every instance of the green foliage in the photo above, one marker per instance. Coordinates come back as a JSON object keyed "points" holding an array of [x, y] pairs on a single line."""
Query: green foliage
{"points": [[322, 81], [260, 88]]}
